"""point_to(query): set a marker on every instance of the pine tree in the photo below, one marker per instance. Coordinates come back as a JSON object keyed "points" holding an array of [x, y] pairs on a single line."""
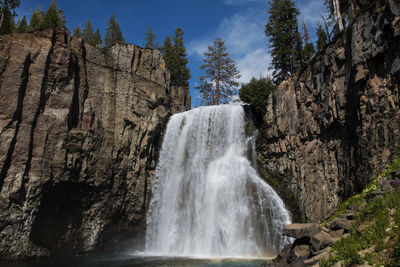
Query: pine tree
{"points": [[113, 33], [78, 32], [181, 73], [219, 82], [88, 34], [322, 38], [150, 39], [7, 14], [8, 23], [308, 50], [54, 17], [206, 91], [340, 11], [22, 26], [37, 20], [286, 44], [97, 38], [168, 53], [176, 59]]}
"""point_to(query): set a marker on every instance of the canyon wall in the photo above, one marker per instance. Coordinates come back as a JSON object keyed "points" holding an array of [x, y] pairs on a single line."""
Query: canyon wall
{"points": [[80, 131], [333, 127]]}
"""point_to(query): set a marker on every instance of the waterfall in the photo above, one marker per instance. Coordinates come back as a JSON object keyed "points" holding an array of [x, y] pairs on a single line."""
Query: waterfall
{"points": [[207, 198]]}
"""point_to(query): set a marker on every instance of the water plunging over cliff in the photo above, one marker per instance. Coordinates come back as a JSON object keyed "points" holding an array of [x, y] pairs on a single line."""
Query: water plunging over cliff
{"points": [[208, 200]]}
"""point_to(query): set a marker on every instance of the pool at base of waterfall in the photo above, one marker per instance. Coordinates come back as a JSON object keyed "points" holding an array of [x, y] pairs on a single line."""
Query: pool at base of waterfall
{"points": [[124, 260]]}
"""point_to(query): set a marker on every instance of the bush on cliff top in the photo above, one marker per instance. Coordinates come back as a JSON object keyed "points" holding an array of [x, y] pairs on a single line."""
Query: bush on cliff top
{"points": [[256, 93]]}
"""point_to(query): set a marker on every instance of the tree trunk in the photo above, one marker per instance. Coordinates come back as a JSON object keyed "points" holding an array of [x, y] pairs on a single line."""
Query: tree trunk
{"points": [[338, 15], [1, 18], [217, 86], [293, 56]]}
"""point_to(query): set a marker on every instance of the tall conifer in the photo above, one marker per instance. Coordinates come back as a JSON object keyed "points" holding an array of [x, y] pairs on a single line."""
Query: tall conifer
{"points": [[113, 33], [54, 17], [88, 34], [97, 38], [175, 58], [219, 82], [78, 32], [22, 26], [150, 39], [7, 14], [285, 39], [322, 38], [37, 20]]}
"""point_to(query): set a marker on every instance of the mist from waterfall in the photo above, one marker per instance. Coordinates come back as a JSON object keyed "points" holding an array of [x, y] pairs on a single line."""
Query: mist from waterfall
{"points": [[207, 198]]}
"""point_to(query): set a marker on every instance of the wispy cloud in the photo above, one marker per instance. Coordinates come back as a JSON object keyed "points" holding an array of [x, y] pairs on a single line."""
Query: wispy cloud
{"points": [[254, 64], [245, 41]]}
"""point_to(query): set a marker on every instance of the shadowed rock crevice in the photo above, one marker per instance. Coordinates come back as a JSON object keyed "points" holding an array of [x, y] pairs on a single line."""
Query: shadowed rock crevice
{"points": [[17, 117], [60, 215], [40, 108]]}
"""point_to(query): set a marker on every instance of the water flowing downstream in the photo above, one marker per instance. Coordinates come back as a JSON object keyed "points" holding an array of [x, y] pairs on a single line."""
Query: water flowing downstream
{"points": [[208, 200]]}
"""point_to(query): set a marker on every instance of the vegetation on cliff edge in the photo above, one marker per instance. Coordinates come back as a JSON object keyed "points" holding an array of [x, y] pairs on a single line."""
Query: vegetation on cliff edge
{"points": [[375, 236]]}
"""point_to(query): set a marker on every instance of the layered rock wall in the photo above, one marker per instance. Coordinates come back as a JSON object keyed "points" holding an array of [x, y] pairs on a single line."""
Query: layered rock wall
{"points": [[333, 127], [80, 130]]}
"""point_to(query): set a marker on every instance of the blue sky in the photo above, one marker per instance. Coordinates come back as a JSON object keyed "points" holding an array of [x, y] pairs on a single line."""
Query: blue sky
{"points": [[239, 22]]}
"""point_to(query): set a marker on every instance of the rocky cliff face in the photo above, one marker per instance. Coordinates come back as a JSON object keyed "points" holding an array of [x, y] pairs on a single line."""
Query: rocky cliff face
{"points": [[80, 131], [335, 126]]}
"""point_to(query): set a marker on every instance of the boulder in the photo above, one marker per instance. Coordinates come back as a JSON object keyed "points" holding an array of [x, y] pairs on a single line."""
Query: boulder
{"points": [[322, 240], [317, 259], [301, 253], [337, 233], [386, 186], [300, 230], [349, 215], [340, 223]]}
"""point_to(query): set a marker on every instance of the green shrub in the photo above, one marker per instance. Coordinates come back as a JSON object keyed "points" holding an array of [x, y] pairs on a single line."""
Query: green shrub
{"points": [[374, 236], [256, 93], [345, 250]]}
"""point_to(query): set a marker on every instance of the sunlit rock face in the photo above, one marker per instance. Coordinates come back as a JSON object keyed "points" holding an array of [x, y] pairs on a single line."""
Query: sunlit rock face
{"points": [[335, 126], [80, 131], [207, 198]]}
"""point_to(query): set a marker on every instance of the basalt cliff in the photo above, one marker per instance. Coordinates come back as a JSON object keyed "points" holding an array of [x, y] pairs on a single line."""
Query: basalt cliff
{"points": [[80, 131], [333, 127]]}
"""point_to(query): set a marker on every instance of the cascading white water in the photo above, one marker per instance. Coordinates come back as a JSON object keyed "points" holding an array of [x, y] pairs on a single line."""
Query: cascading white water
{"points": [[208, 200]]}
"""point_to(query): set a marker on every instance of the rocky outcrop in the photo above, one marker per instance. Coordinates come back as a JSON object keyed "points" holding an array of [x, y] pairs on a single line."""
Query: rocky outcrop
{"points": [[314, 243], [335, 126], [80, 130]]}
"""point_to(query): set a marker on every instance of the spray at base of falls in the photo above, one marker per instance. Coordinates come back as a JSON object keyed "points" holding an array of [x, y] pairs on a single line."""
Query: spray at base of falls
{"points": [[208, 200]]}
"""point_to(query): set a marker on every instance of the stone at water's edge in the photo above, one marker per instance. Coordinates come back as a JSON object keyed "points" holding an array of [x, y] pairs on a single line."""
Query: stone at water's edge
{"points": [[80, 133], [300, 230], [334, 127]]}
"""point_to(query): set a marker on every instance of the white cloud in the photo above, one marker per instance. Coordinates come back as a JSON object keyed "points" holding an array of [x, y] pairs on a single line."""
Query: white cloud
{"points": [[245, 41], [254, 64]]}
